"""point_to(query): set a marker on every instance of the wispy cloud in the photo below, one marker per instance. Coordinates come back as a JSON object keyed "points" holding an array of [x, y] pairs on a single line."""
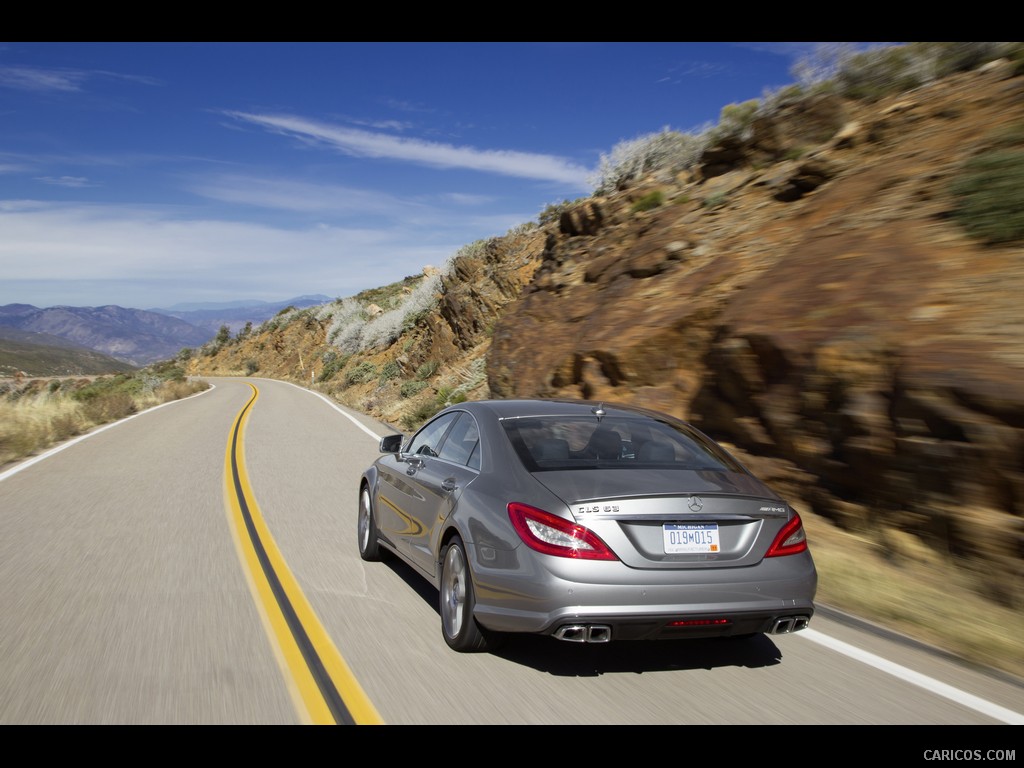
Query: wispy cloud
{"points": [[154, 257], [66, 80], [34, 79], [683, 71], [289, 195], [379, 145], [66, 181], [461, 198], [444, 217], [384, 125]]}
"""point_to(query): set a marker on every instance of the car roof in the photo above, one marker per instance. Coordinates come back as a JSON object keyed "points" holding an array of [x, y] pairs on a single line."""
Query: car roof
{"points": [[517, 408]]}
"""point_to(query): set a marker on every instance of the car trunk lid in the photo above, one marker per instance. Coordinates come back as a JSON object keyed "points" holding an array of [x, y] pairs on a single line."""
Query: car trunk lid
{"points": [[722, 519]]}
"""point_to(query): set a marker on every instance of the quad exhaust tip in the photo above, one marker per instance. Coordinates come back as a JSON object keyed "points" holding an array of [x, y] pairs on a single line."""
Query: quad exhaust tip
{"points": [[789, 624], [584, 633], [602, 633]]}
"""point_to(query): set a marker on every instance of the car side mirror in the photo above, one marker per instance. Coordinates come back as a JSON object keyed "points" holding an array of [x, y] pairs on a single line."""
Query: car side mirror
{"points": [[391, 444]]}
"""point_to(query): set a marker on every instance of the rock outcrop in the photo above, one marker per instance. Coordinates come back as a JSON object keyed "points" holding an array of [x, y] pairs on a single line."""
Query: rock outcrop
{"points": [[826, 314]]}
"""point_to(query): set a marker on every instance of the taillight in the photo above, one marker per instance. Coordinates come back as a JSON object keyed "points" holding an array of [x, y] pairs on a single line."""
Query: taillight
{"points": [[791, 539], [556, 536]]}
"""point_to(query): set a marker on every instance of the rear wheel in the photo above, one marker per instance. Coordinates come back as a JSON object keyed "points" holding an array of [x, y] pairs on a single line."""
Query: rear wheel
{"points": [[458, 600], [369, 545]]}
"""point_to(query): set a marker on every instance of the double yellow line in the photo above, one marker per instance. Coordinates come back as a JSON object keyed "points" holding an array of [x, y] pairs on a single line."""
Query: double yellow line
{"points": [[322, 686]]}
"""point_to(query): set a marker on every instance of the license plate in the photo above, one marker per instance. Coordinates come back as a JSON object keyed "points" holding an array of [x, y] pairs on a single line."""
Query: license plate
{"points": [[691, 538]]}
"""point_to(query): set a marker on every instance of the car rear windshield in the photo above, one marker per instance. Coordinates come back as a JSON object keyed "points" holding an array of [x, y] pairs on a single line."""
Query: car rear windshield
{"points": [[582, 442]]}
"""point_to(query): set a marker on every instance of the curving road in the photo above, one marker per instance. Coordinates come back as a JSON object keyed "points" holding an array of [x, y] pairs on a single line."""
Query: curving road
{"points": [[196, 564]]}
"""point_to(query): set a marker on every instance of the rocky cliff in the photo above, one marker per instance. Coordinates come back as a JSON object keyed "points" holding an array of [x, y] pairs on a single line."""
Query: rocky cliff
{"points": [[806, 294]]}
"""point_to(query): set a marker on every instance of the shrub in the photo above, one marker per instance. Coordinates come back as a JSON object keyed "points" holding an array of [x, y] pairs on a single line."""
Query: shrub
{"points": [[630, 160], [422, 412], [734, 120], [552, 212], [251, 366], [521, 229], [361, 374], [990, 196], [20, 434], [410, 388], [66, 424], [347, 312], [390, 370], [386, 328], [885, 69], [177, 389], [447, 396], [427, 370], [715, 200], [649, 201], [822, 63], [107, 386], [333, 363], [351, 332], [109, 406]]}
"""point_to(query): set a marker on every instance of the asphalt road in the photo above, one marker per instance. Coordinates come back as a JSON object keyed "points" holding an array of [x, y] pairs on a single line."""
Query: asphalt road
{"points": [[135, 562]]}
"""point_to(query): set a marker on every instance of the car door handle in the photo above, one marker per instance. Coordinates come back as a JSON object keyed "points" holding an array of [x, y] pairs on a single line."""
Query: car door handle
{"points": [[448, 484]]}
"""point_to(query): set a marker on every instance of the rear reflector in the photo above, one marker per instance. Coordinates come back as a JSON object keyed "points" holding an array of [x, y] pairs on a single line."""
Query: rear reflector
{"points": [[698, 623]]}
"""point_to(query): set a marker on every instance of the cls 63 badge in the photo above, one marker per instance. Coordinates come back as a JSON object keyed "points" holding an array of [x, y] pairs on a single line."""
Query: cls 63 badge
{"points": [[593, 508]]}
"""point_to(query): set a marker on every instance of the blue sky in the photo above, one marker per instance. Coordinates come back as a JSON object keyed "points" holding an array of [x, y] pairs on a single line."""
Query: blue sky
{"points": [[152, 174]]}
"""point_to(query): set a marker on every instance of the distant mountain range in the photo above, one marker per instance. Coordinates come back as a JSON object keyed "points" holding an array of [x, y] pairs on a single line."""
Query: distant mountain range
{"points": [[235, 314], [106, 339], [40, 354]]}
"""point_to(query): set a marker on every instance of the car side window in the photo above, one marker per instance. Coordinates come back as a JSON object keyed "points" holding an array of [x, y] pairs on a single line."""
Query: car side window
{"points": [[427, 441], [462, 442]]}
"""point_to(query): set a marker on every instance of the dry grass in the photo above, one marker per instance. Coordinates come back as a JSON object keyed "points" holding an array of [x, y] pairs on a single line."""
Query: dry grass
{"points": [[34, 418], [36, 422], [920, 596]]}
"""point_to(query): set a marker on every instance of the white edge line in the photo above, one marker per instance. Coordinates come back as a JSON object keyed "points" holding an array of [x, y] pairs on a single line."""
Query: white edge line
{"points": [[923, 681], [36, 459], [335, 406]]}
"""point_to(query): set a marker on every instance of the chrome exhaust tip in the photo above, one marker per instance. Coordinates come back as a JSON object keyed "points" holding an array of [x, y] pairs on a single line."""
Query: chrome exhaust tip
{"points": [[788, 624], [584, 633], [572, 634]]}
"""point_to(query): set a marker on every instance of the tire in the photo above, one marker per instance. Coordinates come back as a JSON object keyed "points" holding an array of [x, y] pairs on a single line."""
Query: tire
{"points": [[366, 534], [458, 599]]}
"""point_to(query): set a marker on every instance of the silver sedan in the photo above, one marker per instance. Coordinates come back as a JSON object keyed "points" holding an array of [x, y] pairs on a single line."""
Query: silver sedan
{"points": [[587, 522]]}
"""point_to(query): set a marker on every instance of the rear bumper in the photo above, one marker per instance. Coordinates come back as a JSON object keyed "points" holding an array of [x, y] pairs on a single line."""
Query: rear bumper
{"points": [[670, 628], [614, 601]]}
